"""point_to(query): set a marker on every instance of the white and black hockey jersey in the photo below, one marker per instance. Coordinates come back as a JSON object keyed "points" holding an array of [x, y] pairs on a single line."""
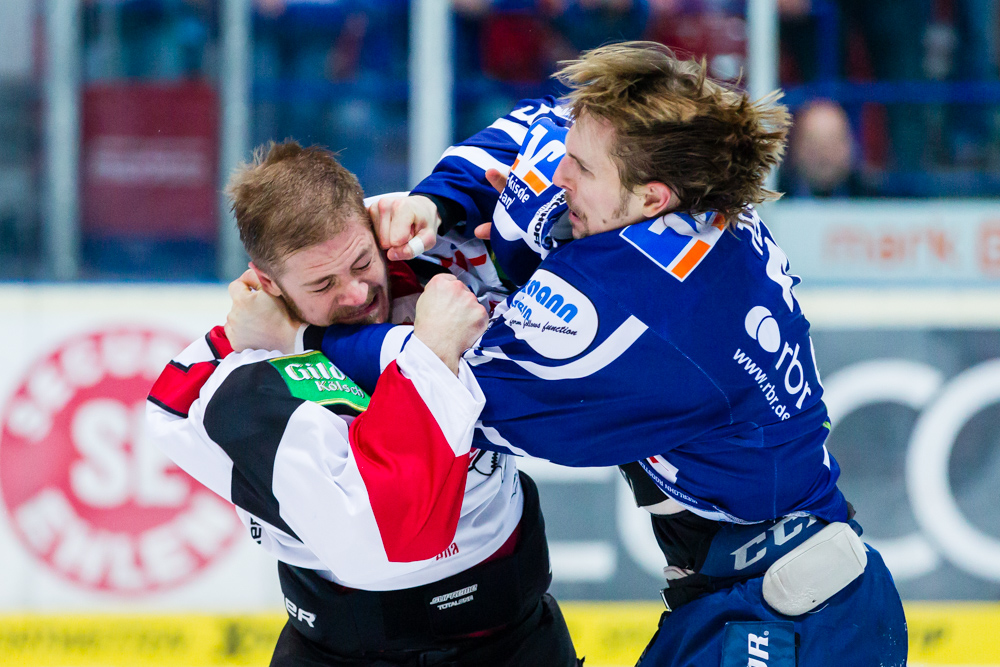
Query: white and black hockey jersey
{"points": [[375, 493]]}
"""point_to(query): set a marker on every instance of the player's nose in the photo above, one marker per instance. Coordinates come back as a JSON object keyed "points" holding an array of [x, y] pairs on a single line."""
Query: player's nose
{"points": [[355, 293], [561, 176]]}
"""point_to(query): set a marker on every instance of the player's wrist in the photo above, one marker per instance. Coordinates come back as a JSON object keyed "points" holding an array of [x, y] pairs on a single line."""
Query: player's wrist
{"points": [[442, 346], [450, 213]]}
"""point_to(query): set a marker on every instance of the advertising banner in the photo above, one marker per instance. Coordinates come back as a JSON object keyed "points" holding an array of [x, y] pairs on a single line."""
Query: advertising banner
{"points": [[93, 516], [149, 161], [867, 242]]}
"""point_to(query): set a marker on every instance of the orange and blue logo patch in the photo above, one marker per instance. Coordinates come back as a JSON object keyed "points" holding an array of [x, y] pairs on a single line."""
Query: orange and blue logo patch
{"points": [[677, 242], [540, 155]]}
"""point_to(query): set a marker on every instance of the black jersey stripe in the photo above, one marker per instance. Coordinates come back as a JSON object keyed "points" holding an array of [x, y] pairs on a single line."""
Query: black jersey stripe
{"points": [[247, 416]]}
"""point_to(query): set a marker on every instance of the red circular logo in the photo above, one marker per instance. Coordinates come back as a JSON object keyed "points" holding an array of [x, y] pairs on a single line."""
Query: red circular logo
{"points": [[85, 491]]}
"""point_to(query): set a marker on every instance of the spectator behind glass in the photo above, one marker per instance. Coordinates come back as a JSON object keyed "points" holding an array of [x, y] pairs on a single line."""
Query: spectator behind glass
{"points": [[972, 135], [892, 32], [334, 74], [820, 162], [520, 41], [504, 51], [878, 40], [713, 29], [588, 24]]}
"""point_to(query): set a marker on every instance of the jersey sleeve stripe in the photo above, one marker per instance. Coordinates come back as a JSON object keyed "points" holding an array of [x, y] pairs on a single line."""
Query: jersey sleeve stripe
{"points": [[179, 386], [218, 343], [608, 351], [477, 156], [166, 407], [511, 129]]}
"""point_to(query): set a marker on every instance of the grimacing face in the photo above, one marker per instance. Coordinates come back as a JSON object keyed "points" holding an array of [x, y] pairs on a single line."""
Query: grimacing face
{"points": [[594, 193], [343, 280]]}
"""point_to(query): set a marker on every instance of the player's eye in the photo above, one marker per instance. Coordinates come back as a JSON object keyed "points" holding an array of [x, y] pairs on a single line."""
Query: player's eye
{"points": [[324, 288], [363, 267]]}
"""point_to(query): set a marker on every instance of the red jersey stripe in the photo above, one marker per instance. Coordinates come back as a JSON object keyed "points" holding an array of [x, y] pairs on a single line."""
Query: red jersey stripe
{"points": [[415, 482], [178, 386], [220, 345]]}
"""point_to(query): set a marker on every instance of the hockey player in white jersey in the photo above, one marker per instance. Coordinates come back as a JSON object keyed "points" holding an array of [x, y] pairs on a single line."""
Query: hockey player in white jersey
{"points": [[397, 545]]}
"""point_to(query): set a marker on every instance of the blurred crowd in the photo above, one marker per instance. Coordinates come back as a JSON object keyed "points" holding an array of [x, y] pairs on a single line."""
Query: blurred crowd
{"points": [[334, 71], [891, 98]]}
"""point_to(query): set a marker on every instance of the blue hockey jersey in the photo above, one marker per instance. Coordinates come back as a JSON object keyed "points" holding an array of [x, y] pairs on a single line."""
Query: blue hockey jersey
{"points": [[671, 342]]}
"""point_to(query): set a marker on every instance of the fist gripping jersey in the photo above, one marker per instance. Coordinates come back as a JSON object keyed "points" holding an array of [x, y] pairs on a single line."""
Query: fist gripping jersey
{"points": [[670, 342]]}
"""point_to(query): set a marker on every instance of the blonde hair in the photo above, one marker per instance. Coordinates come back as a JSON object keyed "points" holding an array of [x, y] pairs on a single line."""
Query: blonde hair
{"points": [[709, 143], [289, 198]]}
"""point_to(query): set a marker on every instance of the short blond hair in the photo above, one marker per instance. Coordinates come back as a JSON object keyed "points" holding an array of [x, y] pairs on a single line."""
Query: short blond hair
{"points": [[708, 142], [289, 198]]}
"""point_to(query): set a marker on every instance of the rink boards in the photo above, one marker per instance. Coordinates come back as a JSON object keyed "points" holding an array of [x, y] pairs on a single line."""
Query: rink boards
{"points": [[609, 634]]}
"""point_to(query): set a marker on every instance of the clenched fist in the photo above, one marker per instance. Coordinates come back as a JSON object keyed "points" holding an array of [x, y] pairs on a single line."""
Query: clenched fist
{"points": [[449, 319], [397, 220], [257, 320]]}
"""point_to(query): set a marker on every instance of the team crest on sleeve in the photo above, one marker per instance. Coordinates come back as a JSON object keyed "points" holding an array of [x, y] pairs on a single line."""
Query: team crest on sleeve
{"points": [[541, 153], [557, 320], [676, 242], [313, 377], [530, 201]]}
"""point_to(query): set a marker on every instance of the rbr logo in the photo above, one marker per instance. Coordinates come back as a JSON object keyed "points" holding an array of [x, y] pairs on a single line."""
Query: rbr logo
{"points": [[763, 328], [85, 491]]}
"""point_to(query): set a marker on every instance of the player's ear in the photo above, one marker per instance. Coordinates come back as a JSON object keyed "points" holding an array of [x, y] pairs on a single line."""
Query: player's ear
{"points": [[267, 283], [657, 199]]}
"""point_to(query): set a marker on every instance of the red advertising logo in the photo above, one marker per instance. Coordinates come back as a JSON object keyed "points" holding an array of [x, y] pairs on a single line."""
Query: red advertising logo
{"points": [[85, 491]]}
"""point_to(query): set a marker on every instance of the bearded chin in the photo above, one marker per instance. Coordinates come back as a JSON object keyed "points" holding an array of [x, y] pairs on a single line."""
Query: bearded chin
{"points": [[293, 310], [378, 316]]}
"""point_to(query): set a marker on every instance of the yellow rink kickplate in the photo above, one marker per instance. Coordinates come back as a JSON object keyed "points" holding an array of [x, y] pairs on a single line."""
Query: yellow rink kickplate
{"points": [[132, 640], [954, 633], [609, 634]]}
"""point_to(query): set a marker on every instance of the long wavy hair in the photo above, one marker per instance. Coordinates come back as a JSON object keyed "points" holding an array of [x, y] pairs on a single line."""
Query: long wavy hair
{"points": [[710, 143]]}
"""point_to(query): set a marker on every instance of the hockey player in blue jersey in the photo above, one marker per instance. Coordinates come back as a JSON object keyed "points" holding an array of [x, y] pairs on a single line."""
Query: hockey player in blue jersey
{"points": [[656, 328]]}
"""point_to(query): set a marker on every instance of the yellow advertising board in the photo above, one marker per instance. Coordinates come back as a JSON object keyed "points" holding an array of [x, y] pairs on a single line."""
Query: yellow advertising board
{"points": [[609, 634]]}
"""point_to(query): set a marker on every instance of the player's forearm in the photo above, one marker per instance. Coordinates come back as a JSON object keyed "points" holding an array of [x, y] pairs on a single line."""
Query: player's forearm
{"points": [[361, 351], [459, 178], [463, 196], [453, 214]]}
